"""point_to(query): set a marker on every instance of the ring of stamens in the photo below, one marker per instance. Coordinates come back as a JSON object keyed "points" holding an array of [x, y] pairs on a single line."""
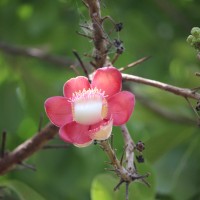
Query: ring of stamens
{"points": [[89, 106]]}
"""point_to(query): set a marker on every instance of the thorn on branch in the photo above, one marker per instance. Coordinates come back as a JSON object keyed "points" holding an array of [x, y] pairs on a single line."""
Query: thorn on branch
{"points": [[3, 144], [137, 177], [118, 185]]}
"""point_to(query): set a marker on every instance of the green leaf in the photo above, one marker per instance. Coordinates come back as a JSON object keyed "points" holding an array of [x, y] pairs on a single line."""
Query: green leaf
{"points": [[159, 145], [23, 191]]}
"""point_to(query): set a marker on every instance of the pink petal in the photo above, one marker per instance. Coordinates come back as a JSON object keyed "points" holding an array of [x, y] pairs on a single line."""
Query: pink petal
{"points": [[120, 107], [108, 79], [102, 130], [74, 85], [76, 134], [58, 110]]}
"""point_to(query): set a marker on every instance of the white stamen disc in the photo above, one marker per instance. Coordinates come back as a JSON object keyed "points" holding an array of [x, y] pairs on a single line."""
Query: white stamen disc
{"points": [[88, 111]]}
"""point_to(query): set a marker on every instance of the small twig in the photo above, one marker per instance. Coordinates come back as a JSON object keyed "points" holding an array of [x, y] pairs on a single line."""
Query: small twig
{"points": [[111, 170], [115, 58], [118, 185], [135, 63], [85, 27], [56, 146], [3, 144], [109, 18], [75, 70], [28, 166], [196, 113], [127, 185], [81, 63], [84, 35], [93, 65]]}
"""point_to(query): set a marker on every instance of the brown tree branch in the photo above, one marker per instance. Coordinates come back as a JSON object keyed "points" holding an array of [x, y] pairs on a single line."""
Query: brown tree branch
{"points": [[119, 169], [129, 144], [58, 60], [35, 53], [27, 148], [184, 92], [98, 32]]}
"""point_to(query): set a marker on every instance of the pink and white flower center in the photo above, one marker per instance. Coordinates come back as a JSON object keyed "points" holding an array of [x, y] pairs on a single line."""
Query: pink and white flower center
{"points": [[88, 106]]}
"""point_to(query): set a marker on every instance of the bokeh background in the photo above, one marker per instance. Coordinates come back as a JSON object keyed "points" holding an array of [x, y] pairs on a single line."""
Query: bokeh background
{"points": [[164, 122]]}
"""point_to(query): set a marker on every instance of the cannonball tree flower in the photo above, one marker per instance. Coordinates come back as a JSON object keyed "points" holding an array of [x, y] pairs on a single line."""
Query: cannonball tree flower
{"points": [[88, 111]]}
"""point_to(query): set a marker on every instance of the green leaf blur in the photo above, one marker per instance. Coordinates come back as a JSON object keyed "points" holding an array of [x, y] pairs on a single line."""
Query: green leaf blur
{"points": [[151, 28]]}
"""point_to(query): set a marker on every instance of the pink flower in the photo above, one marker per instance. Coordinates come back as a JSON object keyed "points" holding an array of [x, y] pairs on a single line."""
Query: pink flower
{"points": [[87, 111]]}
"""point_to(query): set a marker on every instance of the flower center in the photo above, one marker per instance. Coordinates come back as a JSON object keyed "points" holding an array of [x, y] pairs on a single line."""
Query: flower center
{"points": [[89, 106]]}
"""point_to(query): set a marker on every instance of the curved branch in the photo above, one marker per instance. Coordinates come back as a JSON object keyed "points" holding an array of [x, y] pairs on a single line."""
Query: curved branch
{"points": [[27, 148], [34, 53], [184, 92]]}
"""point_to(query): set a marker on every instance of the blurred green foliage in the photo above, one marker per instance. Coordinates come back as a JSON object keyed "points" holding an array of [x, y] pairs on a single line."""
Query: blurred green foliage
{"points": [[158, 28]]}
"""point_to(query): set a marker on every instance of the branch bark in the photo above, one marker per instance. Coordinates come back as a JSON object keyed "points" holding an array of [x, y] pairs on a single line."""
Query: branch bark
{"points": [[129, 145], [98, 32], [27, 148], [184, 92]]}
